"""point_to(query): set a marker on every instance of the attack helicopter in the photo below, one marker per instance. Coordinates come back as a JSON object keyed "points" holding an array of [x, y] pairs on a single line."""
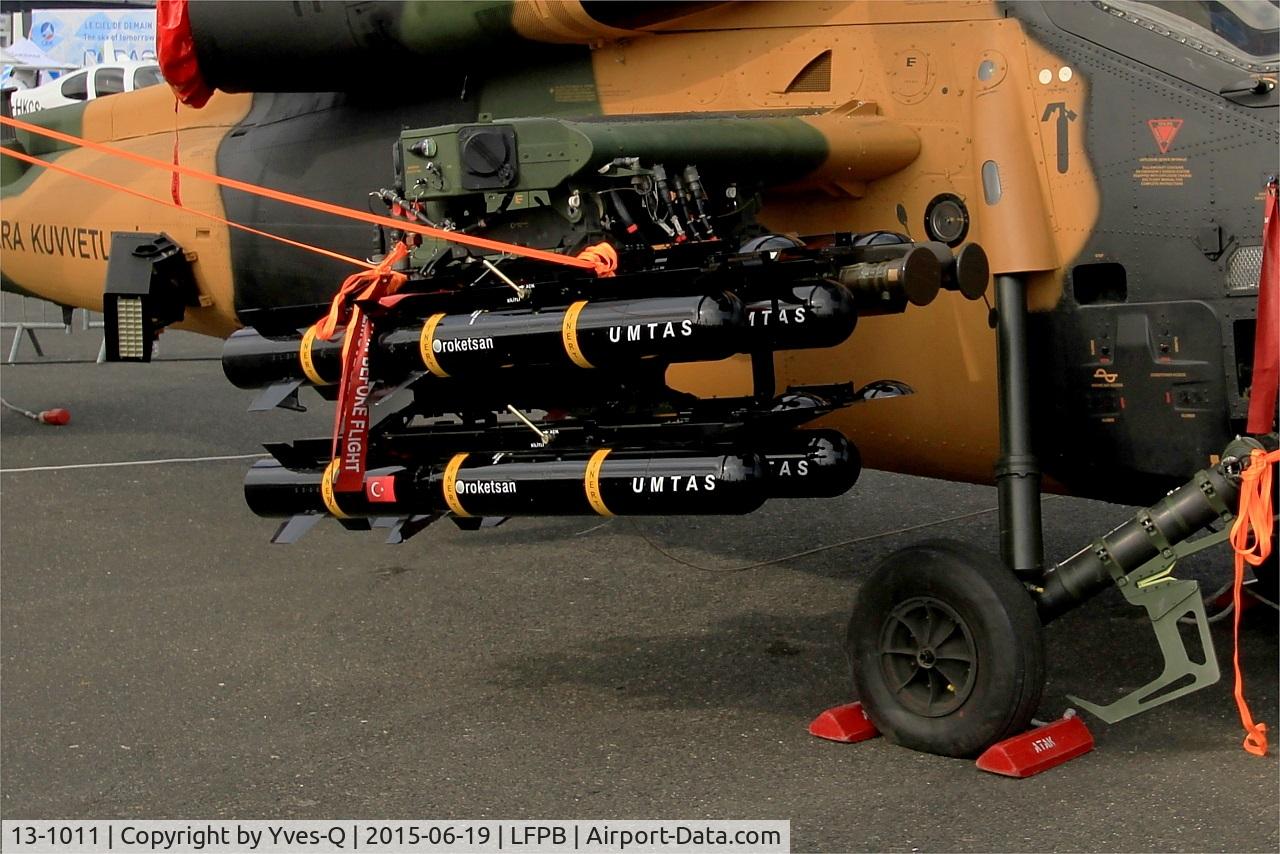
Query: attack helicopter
{"points": [[682, 258]]}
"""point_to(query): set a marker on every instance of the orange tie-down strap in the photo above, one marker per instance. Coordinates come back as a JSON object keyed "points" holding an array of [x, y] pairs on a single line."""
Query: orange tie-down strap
{"points": [[372, 284], [1251, 540], [602, 266], [93, 179]]}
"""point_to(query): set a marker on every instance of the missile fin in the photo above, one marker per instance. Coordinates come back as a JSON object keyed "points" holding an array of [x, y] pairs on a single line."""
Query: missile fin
{"points": [[475, 523], [283, 395], [409, 527], [289, 456], [292, 529], [393, 401]]}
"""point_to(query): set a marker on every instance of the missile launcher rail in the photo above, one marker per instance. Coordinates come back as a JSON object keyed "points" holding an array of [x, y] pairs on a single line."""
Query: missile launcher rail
{"points": [[500, 385], [477, 387]]}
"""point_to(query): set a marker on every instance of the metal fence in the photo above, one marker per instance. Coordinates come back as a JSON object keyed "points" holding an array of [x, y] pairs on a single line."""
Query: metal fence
{"points": [[28, 318]]}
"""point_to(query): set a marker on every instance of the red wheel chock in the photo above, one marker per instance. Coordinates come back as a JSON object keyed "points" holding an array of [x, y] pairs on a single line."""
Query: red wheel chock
{"points": [[846, 724], [1039, 749], [1023, 755]]}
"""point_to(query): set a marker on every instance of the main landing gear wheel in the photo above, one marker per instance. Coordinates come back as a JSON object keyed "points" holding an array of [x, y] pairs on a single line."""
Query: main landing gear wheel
{"points": [[946, 649]]}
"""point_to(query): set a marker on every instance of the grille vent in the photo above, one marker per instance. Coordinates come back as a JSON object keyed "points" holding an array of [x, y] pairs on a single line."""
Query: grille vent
{"points": [[1244, 267], [814, 77]]}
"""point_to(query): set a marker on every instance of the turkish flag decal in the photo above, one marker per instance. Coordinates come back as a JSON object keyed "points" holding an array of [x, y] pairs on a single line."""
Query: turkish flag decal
{"points": [[381, 490]]}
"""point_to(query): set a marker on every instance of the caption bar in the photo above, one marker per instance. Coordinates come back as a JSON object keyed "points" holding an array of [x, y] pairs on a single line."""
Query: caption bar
{"points": [[323, 837]]}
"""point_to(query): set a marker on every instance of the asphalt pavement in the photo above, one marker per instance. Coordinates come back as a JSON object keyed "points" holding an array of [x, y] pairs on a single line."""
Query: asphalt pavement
{"points": [[160, 659]]}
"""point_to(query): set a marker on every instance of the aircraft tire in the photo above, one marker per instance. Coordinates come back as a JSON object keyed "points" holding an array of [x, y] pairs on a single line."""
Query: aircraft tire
{"points": [[977, 675]]}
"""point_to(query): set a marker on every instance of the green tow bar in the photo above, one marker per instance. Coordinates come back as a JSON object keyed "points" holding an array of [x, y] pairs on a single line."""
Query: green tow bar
{"points": [[1167, 600]]}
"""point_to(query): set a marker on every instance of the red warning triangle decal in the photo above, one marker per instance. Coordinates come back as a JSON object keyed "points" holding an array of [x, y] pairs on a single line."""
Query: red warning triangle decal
{"points": [[1164, 130]]}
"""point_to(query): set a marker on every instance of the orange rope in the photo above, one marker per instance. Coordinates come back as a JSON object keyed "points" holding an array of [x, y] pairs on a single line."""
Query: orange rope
{"points": [[58, 167], [604, 256], [367, 284], [324, 207], [1251, 540]]}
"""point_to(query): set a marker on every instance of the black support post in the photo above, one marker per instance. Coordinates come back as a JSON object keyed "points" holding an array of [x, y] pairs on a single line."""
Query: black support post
{"points": [[763, 378], [1017, 471]]}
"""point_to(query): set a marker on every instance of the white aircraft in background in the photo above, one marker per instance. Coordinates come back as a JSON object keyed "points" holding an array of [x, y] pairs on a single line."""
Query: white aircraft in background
{"points": [[109, 78]]}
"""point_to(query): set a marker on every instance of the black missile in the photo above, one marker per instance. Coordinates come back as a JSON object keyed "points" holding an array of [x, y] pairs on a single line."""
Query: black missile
{"points": [[253, 360], [886, 286], [603, 482], [589, 334], [820, 314], [585, 334], [811, 464], [618, 334]]}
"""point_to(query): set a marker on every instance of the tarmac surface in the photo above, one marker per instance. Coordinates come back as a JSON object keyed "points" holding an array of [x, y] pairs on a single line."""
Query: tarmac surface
{"points": [[160, 659]]}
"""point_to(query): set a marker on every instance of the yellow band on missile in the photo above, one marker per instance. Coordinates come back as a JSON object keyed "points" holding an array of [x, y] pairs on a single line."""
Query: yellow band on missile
{"points": [[569, 332], [425, 345], [451, 485], [591, 482], [308, 360], [326, 490]]}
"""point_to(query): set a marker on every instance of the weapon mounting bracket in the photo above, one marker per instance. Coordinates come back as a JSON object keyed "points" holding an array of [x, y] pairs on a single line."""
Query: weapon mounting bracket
{"points": [[1166, 600]]}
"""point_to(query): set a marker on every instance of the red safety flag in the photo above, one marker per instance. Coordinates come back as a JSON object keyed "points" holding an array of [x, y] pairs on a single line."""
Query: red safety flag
{"points": [[1266, 344], [352, 416], [351, 444]]}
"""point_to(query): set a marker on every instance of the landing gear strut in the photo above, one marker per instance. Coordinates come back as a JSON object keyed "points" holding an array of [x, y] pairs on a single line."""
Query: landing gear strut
{"points": [[946, 650], [945, 640], [981, 681]]}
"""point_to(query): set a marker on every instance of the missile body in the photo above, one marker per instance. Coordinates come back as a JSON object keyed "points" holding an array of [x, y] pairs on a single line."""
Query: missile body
{"points": [[811, 464], [820, 314], [602, 482]]}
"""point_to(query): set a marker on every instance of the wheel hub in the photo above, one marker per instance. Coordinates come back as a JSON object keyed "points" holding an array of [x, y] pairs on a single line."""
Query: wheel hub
{"points": [[927, 656]]}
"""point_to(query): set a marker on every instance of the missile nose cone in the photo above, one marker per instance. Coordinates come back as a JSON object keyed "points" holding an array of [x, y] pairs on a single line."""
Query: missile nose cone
{"points": [[967, 271], [921, 276], [972, 271]]}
